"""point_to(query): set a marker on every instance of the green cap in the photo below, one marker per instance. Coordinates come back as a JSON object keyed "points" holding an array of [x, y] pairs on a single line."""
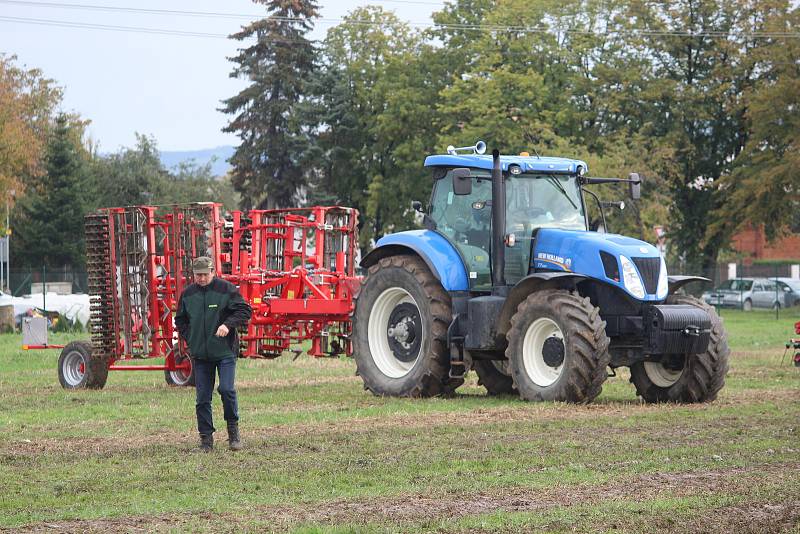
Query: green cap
{"points": [[202, 265]]}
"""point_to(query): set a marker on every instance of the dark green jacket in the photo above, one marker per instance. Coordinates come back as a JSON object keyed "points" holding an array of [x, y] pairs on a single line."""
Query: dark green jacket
{"points": [[201, 310]]}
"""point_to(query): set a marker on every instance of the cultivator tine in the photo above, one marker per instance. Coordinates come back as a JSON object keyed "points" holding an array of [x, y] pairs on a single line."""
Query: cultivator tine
{"points": [[98, 253]]}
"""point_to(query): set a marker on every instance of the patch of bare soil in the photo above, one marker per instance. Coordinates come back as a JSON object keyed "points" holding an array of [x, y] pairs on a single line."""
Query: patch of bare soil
{"points": [[754, 515], [273, 383], [750, 396]]}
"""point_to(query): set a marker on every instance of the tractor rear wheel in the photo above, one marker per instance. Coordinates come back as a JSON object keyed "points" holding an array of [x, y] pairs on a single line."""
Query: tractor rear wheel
{"points": [[77, 369], [693, 377], [400, 330], [495, 376], [558, 348]]}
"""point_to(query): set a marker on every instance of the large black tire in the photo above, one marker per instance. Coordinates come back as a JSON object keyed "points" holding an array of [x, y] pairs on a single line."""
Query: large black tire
{"points": [[400, 330], [180, 378], [558, 348], [494, 379], [78, 370], [702, 375]]}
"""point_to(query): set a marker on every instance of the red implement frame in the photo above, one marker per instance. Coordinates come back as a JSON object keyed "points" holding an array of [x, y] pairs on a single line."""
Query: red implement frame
{"points": [[296, 268]]}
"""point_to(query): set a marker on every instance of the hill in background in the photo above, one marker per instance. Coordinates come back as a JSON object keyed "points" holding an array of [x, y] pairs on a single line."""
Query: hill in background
{"points": [[219, 167]]}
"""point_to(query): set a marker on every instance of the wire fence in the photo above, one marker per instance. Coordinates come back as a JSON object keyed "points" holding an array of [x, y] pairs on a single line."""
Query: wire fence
{"points": [[63, 281], [772, 286]]}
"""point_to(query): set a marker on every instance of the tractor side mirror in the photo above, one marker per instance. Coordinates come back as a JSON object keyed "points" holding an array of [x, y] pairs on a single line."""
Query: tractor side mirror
{"points": [[635, 184], [462, 181]]}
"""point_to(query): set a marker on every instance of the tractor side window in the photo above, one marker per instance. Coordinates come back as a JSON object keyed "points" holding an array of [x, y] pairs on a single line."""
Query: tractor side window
{"points": [[465, 220]]}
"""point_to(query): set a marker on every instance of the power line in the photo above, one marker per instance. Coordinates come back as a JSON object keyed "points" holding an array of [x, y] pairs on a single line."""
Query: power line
{"points": [[109, 27], [116, 9], [129, 29], [207, 14], [61, 5], [366, 23]]}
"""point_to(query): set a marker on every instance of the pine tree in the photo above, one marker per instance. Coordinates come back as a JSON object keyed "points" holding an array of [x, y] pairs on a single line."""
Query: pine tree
{"points": [[268, 167], [49, 227]]}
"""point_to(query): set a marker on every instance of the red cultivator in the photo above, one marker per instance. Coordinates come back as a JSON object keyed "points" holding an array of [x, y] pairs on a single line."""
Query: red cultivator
{"points": [[294, 266]]}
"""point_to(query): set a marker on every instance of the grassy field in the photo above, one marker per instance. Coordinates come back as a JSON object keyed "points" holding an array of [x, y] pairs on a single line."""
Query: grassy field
{"points": [[323, 455]]}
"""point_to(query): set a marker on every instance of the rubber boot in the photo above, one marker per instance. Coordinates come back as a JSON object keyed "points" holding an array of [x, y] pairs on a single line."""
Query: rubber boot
{"points": [[206, 443], [234, 441]]}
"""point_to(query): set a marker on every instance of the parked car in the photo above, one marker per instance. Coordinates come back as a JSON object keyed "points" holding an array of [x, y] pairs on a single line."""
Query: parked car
{"points": [[790, 287], [746, 293]]}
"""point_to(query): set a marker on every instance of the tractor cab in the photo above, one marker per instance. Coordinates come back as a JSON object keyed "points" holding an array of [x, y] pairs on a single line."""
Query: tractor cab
{"points": [[540, 193]]}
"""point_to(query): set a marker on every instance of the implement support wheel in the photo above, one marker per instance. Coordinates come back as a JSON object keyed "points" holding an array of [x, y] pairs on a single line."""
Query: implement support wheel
{"points": [[180, 378], [78, 370]]}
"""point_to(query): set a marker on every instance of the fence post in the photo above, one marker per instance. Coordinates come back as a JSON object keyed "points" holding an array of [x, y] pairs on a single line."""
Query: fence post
{"points": [[777, 302], [44, 289]]}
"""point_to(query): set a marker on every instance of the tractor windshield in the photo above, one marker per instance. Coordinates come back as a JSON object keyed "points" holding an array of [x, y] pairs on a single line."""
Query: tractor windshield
{"points": [[532, 201], [543, 201], [538, 201]]}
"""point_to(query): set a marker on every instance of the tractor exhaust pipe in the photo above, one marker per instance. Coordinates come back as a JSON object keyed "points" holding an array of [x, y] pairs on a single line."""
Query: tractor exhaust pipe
{"points": [[498, 223]]}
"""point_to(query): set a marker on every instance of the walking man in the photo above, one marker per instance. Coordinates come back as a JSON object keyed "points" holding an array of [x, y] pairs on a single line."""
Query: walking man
{"points": [[209, 312]]}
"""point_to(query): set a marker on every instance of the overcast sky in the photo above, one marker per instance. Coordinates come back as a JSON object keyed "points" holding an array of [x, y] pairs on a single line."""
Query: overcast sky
{"points": [[168, 86]]}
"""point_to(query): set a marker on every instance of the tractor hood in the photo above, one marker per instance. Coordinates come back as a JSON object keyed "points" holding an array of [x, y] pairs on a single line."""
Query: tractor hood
{"points": [[630, 264]]}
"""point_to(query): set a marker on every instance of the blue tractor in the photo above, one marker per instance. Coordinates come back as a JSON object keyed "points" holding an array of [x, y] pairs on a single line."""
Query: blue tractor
{"points": [[508, 280]]}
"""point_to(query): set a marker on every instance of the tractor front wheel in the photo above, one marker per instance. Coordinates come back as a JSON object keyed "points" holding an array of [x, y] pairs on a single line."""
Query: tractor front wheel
{"points": [[77, 369], [686, 377], [558, 348], [400, 330]]}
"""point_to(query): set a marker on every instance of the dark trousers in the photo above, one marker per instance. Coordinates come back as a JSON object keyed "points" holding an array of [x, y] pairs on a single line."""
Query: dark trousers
{"points": [[204, 375]]}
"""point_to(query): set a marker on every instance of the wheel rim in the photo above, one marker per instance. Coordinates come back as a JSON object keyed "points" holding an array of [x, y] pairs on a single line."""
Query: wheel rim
{"points": [[748, 305], [180, 378], [661, 376], [541, 363], [74, 368], [396, 333]]}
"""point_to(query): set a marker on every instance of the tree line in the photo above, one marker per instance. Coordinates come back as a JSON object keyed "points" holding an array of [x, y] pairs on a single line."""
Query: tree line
{"points": [[700, 96]]}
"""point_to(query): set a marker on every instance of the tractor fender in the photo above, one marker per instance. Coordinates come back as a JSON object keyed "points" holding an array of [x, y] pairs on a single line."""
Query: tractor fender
{"points": [[438, 253], [678, 281], [526, 286]]}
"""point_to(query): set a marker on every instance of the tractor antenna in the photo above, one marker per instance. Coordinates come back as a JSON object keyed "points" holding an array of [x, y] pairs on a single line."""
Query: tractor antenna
{"points": [[532, 141]]}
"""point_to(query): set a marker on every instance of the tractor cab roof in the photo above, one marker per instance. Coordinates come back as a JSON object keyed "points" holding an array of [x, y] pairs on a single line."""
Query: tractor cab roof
{"points": [[525, 163]]}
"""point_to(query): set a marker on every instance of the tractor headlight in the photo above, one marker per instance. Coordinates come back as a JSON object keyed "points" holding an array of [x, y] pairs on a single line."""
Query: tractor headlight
{"points": [[631, 279], [663, 283]]}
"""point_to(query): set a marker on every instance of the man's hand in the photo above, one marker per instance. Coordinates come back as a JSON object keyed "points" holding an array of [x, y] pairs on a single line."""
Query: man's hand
{"points": [[222, 331]]}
